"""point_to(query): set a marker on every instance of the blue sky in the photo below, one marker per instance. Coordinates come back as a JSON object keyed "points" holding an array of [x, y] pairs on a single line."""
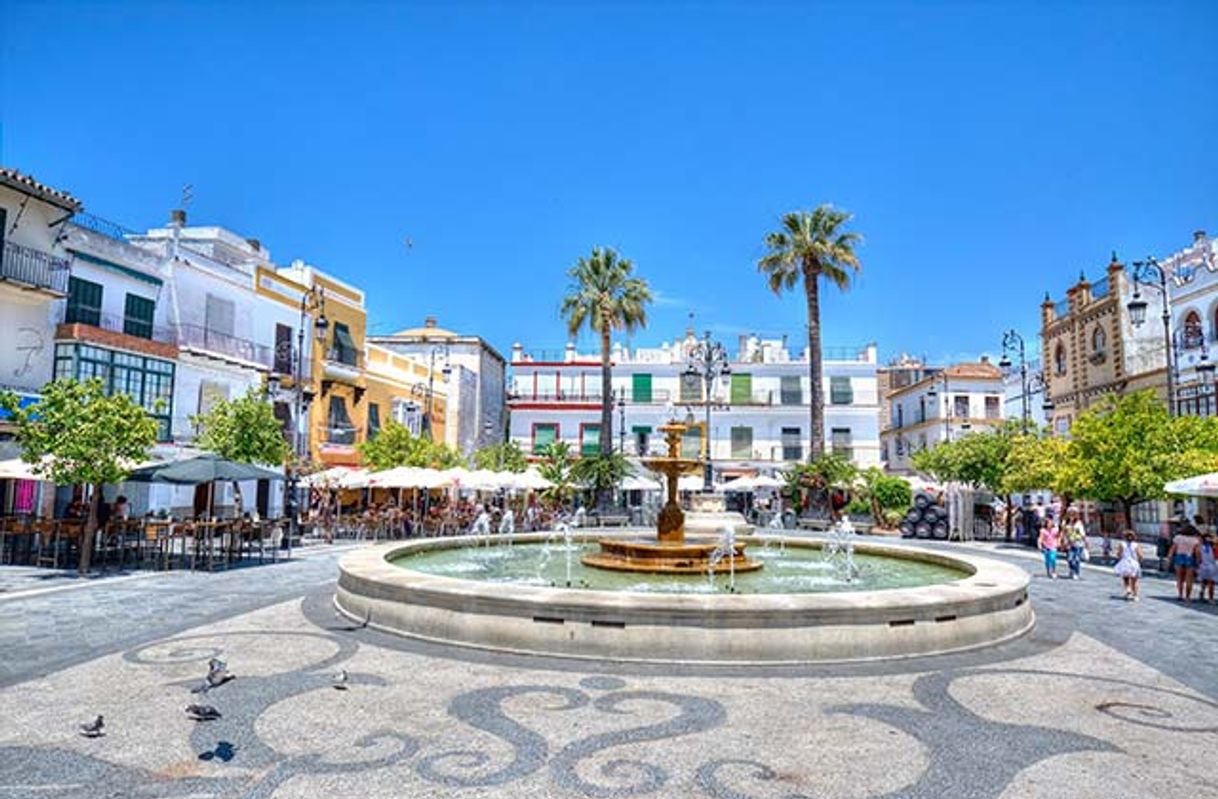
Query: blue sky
{"points": [[989, 151]]}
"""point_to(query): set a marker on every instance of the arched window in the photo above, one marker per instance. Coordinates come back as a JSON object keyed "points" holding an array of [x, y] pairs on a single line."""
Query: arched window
{"points": [[1099, 340], [1192, 334], [1059, 359]]}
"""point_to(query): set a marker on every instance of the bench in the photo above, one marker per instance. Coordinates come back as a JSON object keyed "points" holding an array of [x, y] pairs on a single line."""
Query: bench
{"points": [[612, 520]]}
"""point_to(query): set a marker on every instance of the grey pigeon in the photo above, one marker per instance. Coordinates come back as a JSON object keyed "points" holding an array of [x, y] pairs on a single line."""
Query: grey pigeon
{"points": [[217, 675], [202, 712], [93, 729], [340, 680]]}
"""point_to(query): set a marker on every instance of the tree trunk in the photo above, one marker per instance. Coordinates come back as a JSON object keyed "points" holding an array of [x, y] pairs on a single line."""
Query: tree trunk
{"points": [[1010, 518], [1127, 512], [90, 531], [816, 396], [606, 442]]}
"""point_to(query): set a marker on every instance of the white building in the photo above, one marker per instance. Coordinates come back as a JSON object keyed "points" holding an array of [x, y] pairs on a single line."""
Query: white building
{"points": [[476, 383], [942, 407], [759, 414], [1193, 289], [1013, 395]]}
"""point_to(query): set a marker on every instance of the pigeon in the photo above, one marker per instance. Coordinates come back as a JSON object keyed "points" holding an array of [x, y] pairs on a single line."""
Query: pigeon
{"points": [[93, 729], [217, 675], [202, 712], [340, 680]]}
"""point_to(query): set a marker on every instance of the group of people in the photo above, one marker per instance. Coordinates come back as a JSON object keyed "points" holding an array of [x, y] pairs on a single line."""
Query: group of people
{"points": [[1192, 558], [1070, 537]]}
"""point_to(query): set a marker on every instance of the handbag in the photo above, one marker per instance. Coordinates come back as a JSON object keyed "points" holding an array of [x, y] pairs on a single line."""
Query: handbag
{"points": [[1086, 554]]}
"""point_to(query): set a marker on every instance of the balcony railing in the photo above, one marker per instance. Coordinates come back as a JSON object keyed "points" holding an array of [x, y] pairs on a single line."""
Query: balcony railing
{"points": [[103, 226], [201, 338], [574, 397], [33, 267], [345, 356], [1101, 289], [78, 315], [341, 436]]}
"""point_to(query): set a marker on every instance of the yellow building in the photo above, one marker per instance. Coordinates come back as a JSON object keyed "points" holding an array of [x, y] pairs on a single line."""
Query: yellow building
{"points": [[351, 388]]}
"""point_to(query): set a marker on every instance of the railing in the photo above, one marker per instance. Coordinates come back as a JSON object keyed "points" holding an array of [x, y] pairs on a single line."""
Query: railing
{"points": [[76, 315], [551, 356], [1101, 289], [561, 396], [339, 436], [843, 353], [199, 337], [1192, 339], [1061, 309], [33, 267], [103, 226], [345, 356]]}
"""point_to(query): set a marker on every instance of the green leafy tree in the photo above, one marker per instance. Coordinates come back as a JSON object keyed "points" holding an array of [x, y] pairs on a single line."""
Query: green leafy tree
{"points": [[504, 457], [76, 435], [555, 466], [819, 476], [244, 430], [810, 246], [1126, 450], [883, 494], [396, 446], [1038, 462], [604, 296], [601, 472]]}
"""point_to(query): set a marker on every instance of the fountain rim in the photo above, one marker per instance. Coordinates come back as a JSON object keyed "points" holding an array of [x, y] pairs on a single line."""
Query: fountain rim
{"points": [[982, 579]]}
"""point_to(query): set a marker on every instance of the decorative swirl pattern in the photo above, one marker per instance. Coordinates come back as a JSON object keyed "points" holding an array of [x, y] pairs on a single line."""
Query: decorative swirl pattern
{"points": [[1146, 716], [638, 777], [483, 710], [709, 780], [187, 649]]}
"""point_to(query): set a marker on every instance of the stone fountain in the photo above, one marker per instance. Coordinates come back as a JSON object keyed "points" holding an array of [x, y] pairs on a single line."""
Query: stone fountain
{"points": [[672, 552]]}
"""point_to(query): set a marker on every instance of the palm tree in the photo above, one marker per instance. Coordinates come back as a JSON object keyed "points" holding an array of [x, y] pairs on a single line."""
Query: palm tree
{"points": [[604, 297], [812, 245]]}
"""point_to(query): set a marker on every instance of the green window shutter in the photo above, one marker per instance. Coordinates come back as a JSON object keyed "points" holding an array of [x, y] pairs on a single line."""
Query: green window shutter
{"points": [[84, 302], [641, 428], [742, 442], [591, 444], [641, 388], [543, 436], [137, 316], [742, 388]]}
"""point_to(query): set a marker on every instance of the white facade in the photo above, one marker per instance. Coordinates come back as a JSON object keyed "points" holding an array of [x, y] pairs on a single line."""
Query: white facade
{"points": [[958, 400], [1013, 393], [759, 414], [1193, 289]]}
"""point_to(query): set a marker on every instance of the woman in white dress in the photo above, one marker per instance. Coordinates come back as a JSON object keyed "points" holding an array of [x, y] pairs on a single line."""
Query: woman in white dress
{"points": [[1129, 565]]}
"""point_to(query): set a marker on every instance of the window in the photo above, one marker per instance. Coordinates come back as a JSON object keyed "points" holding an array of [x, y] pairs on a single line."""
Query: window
{"points": [[283, 412], [1192, 336], [148, 381], [742, 442], [742, 388], [840, 391], [642, 439], [791, 392], [884, 451], [993, 407], [543, 436], [640, 388], [1099, 340], [137, 316], [589, 439], [343, 350], [792, 450], [961, 407], [691, 388], [283, 349], [1059, 359], [900, 416], [84, 302], [374, 419], [341, 430], [219, 315], [840, 439], [921, 417]]}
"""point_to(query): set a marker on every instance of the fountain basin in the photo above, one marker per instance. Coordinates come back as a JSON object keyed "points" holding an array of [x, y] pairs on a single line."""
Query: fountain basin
{"points": [[986, 604], [690, 556]]}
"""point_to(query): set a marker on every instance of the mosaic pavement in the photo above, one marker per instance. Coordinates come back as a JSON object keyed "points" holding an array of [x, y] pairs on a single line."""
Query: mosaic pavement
{"points": [[1062, 713]]}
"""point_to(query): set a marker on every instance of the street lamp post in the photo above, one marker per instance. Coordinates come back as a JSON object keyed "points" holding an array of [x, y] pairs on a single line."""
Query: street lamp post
{"points": [[313, 300], [708, 360], [1143, 273], [431, 378], [1012, 341], [933, 392]]}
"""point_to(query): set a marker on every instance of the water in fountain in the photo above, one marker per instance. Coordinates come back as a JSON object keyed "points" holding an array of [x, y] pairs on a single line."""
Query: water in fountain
{"points": [[725, 549], [482, 527], [839, 549], [507, 526]]}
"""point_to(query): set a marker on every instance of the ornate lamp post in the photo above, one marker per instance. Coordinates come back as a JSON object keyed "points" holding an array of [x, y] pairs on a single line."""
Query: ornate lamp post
{"points": [[1143, 273], [430, 392], [312, 301], [708, 360], [1012, 341]]}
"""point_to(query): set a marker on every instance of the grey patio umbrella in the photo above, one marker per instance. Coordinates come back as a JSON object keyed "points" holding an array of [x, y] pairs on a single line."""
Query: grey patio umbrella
{"points": [[205, 468]]}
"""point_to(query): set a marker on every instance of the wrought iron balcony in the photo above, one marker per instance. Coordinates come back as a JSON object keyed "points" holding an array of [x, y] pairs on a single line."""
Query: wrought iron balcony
{"points": [[36, 269], [200, 338]]}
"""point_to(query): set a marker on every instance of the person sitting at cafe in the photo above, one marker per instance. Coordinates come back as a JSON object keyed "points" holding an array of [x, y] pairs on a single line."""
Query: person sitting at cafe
{"points": [[122, 508]]}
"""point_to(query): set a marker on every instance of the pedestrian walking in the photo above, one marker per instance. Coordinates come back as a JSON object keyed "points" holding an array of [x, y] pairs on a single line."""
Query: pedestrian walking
{"points": [[1075, 534], [1207, 566], [1183, 558], [1048, 543], [1129, 566]]}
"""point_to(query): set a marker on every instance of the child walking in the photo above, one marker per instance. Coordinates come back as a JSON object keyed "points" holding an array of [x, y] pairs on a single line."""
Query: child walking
{"points": [[1207, 568], [1129, 566], [1048, 543]]}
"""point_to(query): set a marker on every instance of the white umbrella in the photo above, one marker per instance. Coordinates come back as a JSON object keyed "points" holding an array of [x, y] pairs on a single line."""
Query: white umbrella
{"points": [[634, 483], [1202, 485], [530, 480], [456, 476], [487, 480], [693, 482], [408, 477], [329, 478], [17, 469]]}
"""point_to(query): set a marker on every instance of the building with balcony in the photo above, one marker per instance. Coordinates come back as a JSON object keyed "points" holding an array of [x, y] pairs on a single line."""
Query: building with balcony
{"points": [[1091, 350], [759, 413], [407, 391], [1193, 289], [942, 406], [34, 276], [476, 382]]}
